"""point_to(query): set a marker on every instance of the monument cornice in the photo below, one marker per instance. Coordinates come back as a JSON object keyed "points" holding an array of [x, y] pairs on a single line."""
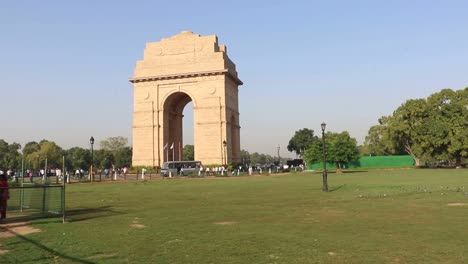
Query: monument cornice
{"points": [[186, 75]]}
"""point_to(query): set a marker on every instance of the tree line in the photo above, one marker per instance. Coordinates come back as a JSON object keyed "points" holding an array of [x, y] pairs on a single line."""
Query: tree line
{"points": [[431, 129], [340, 148], [113, 153]]}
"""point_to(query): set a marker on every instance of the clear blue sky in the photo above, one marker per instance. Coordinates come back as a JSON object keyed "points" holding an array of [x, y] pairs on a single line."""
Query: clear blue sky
{"points": [[64, 65]]}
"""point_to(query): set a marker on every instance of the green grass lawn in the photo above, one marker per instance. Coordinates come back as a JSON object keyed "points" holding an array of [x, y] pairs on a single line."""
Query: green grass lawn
{"points": [[378, 216]]}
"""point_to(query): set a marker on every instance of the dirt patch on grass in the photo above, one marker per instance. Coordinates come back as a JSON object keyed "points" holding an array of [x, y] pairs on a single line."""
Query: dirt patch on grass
{"points": [[16, 229], [136, 223], [332, 211], [101, 256], [3, 251], [457, 204], [225, 223]]}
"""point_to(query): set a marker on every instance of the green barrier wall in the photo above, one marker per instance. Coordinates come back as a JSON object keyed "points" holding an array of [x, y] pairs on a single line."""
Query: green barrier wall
{"points": [[371, 162]]}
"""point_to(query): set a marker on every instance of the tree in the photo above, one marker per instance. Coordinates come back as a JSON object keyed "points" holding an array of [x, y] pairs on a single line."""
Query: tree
{"points": [[78, 158], [46, 150], [446, 129], [117, 146], [31, 147], [10, 157], [340, 149], [373, 144], [245, 156], [314, 154], [405, 128], [103, 159], [257, 158], [188, 152], [301, 140], [432, 128], [123, 157], [114, 144]]}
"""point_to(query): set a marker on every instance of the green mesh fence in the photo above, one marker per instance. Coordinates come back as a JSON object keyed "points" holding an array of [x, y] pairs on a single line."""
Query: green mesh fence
{"points": [[36, 201], [371, 162]]}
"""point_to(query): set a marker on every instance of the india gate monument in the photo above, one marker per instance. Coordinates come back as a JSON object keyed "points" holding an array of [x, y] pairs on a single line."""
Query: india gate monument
{"points": [[175, 71]]}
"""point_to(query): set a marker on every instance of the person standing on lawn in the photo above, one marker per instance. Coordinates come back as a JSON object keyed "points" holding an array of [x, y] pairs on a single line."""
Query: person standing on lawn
{"points": [[4, 195]]}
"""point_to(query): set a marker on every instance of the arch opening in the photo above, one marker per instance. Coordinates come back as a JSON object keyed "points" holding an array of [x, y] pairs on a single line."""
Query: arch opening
{"points": [[173, 131]]}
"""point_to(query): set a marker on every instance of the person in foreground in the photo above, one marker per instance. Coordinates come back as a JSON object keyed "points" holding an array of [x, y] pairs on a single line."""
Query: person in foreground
{"points": [[4, 195]]}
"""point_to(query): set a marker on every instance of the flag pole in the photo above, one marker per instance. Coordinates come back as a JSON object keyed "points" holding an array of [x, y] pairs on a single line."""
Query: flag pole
{"points": [[173, 152]]}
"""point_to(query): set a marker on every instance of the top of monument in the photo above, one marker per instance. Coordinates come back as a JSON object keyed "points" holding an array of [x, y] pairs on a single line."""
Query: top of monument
{"points": [[185, 53]]}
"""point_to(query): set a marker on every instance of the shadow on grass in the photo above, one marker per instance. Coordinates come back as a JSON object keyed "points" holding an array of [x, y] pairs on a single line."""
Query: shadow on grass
{"points": [[50, 251], [84, 214], [342, 172], [337, 188], [75, 215]]}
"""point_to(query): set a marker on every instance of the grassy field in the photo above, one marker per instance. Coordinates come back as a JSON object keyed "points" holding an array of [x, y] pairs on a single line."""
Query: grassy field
{"points": [[381, 216]]}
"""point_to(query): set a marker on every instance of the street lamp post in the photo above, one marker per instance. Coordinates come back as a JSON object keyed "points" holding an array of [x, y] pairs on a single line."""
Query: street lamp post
{"points": [[91, 141], [324, 174], [279, 159], [225, 152]]}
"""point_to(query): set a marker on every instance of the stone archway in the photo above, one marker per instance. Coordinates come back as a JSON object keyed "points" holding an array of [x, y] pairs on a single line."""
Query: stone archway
{"points": [[173, 130], [175, 71]]}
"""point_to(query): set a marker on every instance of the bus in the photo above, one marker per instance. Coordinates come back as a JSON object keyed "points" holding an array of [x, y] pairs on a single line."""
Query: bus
{"points": [[181, 168]]}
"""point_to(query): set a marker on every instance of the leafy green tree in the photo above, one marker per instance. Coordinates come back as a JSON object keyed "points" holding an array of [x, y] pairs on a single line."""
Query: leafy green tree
{"points": [[405, 128], [373, 144], [117, 146], [123, 157], [10, 157], [340, 149], [103, 159], [31, 147], [314, 154], [301, 140], [446, 128], [78, 158], [52, 152], [188, 153], [257, 158], [245, 156], [432, 128], [114, 144], [47, 150]]}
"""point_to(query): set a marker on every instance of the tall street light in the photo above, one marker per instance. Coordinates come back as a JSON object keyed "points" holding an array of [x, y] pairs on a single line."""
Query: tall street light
{"points": [[324, 174], [225, 152], [279, 159], [91, 141]]}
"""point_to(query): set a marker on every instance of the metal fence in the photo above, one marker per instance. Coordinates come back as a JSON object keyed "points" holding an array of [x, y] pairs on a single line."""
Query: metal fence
{"points": [[32, 200]]}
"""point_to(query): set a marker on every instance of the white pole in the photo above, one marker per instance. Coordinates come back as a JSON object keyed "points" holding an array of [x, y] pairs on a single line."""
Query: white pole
{"points": [[45, 172], [22, 172], [173, 152]]}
